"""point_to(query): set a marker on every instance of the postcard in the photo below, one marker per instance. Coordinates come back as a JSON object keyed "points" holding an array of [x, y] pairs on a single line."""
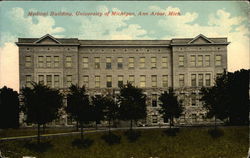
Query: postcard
{"points": [[124, 79]]}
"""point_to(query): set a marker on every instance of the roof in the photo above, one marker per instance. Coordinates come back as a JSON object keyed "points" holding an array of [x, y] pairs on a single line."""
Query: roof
{"points": [[50, 40]]}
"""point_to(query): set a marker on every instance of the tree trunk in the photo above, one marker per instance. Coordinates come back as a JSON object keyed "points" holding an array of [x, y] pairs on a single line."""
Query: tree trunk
{"points": [[96, 127], [81, 131], [44, 126], [215, 123], [109, 126], [171, 122], [77, 125], [38, 133], [131, 125]]}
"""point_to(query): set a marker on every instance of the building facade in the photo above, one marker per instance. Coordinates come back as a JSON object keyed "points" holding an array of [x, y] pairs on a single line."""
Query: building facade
{"points": [[186, 64]]}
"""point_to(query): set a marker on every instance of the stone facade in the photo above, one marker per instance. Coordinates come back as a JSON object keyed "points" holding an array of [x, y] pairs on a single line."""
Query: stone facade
{"points": [[101, 65]]}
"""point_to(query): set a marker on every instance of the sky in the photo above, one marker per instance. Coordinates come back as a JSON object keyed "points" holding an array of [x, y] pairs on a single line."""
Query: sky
{"points": [[210, 18]]}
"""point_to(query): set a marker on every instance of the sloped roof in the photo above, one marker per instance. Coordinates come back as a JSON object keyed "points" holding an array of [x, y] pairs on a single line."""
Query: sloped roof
{"points": [[76, 41]]}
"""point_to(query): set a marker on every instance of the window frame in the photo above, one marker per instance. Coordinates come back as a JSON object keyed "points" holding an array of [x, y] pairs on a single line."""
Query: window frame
{"points": [[109, 81], [143, 81], [181, 60], [28, 62], [85, 62]]}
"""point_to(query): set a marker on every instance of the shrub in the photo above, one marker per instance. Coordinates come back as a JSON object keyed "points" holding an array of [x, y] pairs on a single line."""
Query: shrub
{"points": [[132, 135], [111, 138], [172, 131], [215, 133], [82, 143]]}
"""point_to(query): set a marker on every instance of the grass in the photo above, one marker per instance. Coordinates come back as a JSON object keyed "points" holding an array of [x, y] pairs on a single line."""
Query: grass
{"points": [[31, 131], [188, 142]]}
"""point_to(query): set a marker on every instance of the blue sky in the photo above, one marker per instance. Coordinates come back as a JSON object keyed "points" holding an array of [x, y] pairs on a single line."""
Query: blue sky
{"points": [[211, 18], [9, 22]]}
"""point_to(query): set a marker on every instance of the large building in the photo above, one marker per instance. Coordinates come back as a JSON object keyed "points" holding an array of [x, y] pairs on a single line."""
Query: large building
{"points": [[186, 64]]}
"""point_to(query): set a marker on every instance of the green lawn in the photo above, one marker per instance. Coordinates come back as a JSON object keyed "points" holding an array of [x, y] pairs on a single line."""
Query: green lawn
{"points": [[32, 131], [189, 143]]}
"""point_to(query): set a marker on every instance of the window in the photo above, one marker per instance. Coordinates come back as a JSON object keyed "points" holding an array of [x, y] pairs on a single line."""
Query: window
{"points": [[193, 80], [40, 61], [48, 61], [181, 60], [85, 62], [131, 79], [86, 81], [164, 63], [165, 81], [142, 62], [154, 80], [28, 81], [194, 117], [200, 60], [97, 81], [208, 79], [182, 118], [181, 80], [56, 61], [131, 63], [218, 74], [97, 62], [120, 80], [109, 81], [193, 100], [165, 120], [41, 79], [68, 61], [119, 62], [27, 61], [153, 62], [142, 81], [69, 80], [200, 79], [108, 63], [218, 60], [49, 80], [56, 81], [192, 60], [207, 60], [154, 119], [154, 100]]}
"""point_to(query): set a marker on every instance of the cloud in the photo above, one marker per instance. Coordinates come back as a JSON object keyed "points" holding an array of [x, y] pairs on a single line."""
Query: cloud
{"points": [[36, 26], [220, 24], [9, 66], [109, 27], [26, 27]]}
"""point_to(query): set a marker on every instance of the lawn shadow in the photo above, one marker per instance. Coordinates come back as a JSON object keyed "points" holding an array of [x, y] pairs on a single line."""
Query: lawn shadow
{"points": [[85, 143], [38, 147], [132, 135], [215, 133], [111, 138], [171, 131]]}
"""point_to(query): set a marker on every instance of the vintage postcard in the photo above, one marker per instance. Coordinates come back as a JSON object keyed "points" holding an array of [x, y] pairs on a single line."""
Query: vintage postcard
{"points": [[124, 79]]}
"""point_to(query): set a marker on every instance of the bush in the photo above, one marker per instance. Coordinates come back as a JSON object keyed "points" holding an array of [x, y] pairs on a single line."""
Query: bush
{"points": [[215, 133], [85, 143], [132, 135], [172, 131], [41, 147], [111, 138]]}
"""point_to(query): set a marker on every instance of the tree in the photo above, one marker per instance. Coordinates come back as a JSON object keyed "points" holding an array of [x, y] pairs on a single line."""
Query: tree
{"points": [[78, 106], [98, 105], [132, 103], [111, 109], [171, 107], [41, 105], [228, 99], [9, 108]]}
